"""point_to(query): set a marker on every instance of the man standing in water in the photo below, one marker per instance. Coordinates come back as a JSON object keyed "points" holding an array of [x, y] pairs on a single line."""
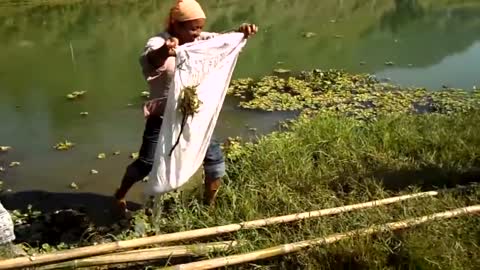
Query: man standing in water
{"points": [[185, 24]]}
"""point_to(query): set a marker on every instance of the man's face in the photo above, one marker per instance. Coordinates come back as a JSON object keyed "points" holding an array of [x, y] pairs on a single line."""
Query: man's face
{"points": [[188, 31]]}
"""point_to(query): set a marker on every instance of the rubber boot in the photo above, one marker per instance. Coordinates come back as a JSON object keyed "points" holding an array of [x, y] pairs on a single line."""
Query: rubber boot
{"points": [[211, 190]]}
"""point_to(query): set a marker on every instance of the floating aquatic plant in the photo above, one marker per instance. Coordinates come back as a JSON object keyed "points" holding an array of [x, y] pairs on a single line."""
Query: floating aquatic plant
{"points": [[5, 148], [14, 164], [361, 96], [73, 185], [145, 94], [65, 145], [76, 94], [309, 34]]}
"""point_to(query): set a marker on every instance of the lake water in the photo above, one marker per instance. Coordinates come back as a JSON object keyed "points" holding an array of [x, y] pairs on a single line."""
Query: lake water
{"points": [[51, 48]]}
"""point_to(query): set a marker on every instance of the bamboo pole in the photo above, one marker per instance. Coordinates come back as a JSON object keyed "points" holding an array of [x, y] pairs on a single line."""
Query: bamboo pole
{"points": [[142, 255], [187, 235], [297, 246]]}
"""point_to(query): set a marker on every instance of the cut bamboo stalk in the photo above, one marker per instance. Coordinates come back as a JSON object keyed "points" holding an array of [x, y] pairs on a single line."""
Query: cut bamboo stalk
{"points": [[297, 246], [142, 255], [193, 234]]}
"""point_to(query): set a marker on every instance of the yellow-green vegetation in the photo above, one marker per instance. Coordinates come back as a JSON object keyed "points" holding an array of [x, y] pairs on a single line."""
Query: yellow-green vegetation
{"points": [[359, 95], [189, 102], [14, 164], [189, 106], [330, 160], [5, 148], [76, 94], [65, 145], [358, 140]]}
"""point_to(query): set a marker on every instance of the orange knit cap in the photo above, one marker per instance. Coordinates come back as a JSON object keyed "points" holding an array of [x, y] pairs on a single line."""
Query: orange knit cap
{"points": [[186, 10]]}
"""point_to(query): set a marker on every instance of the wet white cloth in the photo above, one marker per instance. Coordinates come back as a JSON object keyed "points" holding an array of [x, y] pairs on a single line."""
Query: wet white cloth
{"points": [[7, 233], [208, 64]]}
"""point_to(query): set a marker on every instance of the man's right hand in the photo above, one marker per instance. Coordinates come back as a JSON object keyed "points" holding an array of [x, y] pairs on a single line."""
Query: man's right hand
{"points": [[172, 44], [154, 107]]}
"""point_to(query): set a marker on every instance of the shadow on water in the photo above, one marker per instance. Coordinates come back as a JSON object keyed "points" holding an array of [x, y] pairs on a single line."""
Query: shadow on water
{"points": [[64, 217]]}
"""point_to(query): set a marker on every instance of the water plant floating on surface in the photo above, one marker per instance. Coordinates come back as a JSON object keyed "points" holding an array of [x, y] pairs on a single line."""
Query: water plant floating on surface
{"points": [[145, 94], [14, 164], [65, 145], [5, 148], [189, 106], [309, 34], [73, 185], [360, 96], [76, 94]]}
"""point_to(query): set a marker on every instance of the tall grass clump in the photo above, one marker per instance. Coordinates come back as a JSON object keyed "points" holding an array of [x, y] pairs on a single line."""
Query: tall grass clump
{"points": [[331, 160]]}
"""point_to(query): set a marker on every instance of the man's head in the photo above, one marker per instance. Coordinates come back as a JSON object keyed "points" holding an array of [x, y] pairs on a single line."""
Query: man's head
{"points": [[186, 20]]}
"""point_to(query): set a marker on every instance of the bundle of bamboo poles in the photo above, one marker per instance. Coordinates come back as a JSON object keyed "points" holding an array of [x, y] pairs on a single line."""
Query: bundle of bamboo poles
{"points": [[122, 256]]}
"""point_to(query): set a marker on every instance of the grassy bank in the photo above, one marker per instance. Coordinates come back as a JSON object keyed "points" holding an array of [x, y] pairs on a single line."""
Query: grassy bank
{"points": [[331, 160], [336, 154]]}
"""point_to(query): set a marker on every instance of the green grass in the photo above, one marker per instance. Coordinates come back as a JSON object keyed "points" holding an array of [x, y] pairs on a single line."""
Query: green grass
{"points": [[331, 160]]}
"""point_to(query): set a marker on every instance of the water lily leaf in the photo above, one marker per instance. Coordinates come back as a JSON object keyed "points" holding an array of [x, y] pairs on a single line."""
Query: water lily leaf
{"points": [[101, 156]]}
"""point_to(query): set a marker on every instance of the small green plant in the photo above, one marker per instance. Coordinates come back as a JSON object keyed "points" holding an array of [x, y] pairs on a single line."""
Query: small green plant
{"points": [[63, 146]]}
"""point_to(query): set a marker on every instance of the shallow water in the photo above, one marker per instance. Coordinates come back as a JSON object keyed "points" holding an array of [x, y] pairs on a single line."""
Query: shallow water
{"points": [[50, 48]]}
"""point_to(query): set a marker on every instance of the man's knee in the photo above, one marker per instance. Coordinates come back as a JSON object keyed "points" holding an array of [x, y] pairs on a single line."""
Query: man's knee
{"points": [[214, 163]]}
